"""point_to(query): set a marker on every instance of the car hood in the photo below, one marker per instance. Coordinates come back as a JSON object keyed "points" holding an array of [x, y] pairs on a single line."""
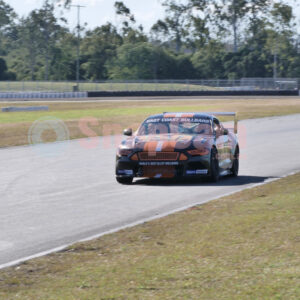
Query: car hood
{"points": [[167, 142]]}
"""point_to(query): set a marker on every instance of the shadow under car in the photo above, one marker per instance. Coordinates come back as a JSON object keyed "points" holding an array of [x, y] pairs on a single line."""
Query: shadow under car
{"points": [[224, 181]]}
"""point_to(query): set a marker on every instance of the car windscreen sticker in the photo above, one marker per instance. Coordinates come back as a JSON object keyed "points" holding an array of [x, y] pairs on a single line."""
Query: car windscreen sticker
{"points": [[179, 120]]}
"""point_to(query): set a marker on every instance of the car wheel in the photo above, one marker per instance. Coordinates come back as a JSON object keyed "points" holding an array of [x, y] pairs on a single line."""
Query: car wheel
{"points": [[124, 180], [214, 170], [235, 166]]}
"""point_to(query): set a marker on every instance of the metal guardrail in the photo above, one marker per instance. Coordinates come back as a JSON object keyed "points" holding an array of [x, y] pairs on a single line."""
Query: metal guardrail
{"points": [[244, 84]]}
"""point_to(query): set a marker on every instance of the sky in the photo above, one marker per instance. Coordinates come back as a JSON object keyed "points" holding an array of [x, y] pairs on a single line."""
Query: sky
{"points": [[99, 12]]}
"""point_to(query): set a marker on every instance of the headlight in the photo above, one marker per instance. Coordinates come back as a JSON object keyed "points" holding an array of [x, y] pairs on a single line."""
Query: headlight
{"points": [[124, 152]]}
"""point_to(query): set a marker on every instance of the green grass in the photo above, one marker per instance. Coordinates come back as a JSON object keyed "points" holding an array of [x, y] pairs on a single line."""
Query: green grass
{"points": [[245, 246], [29, 86]]}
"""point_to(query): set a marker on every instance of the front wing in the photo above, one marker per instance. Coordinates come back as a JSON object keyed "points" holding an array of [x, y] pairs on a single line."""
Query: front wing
{"points": [[193, 167]]}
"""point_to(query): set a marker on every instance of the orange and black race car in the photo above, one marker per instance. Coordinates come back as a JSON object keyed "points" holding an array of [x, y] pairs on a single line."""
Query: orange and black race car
{"points": [[179, 145]]}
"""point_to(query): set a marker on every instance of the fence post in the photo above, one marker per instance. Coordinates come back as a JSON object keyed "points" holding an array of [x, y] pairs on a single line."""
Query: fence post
{"points": [[188, 85]]}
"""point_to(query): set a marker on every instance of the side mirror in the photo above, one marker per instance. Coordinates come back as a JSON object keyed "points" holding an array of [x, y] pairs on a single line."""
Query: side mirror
{"points": [[128, 132], [226, 131]]}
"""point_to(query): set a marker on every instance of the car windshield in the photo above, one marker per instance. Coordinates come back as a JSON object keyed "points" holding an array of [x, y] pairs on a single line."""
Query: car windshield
{"points": [[162, 125]]}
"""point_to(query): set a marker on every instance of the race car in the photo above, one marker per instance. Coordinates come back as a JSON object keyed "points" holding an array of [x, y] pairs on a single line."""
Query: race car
{"points": [[184, 145]]}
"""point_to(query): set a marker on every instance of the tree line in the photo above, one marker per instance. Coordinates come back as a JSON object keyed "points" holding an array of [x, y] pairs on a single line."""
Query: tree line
{"points": [[197, 39]]}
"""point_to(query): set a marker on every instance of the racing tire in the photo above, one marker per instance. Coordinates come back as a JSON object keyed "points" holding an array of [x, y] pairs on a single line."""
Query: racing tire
{"points": [[235, 165], [124, 180], [214, 169]]}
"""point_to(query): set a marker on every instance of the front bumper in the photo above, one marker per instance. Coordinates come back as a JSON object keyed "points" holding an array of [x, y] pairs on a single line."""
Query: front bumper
{"points": [[197, 166]]}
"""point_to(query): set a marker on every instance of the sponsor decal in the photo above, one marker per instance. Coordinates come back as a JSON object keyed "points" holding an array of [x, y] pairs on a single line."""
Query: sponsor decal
{"points": [[125, 172], [179, 120], [201, 171], [191, 172], [197, 172]]}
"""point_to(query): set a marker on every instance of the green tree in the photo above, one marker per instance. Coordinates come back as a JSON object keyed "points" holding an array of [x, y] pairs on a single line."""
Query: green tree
{"points": [[230, 12], [63, 58], [280, 36], [257, 15], [99, 46], [130, 34], [146, 61], [175, 25], [199, 25], [127, 18], [7, 15], [48, 30], [190, 42], [208, 61], [29, 39], [133, 61], [7, 24], [184, 68], [36, 49], [4, 73]]}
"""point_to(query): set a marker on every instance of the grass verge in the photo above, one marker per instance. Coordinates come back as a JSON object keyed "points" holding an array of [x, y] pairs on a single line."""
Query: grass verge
{"points": [[244, 246], [14, 127]]}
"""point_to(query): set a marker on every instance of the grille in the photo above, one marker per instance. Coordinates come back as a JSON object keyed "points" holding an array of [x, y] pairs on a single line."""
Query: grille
{"points": [[158, 156]]}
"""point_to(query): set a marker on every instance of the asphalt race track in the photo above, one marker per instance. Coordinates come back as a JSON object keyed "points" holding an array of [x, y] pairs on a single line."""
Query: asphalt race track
{"points": [[56, 194]]}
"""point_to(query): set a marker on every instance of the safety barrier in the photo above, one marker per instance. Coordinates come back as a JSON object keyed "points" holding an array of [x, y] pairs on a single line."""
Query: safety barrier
{"points": [[29, 108], [194, 93], [42, 95]]}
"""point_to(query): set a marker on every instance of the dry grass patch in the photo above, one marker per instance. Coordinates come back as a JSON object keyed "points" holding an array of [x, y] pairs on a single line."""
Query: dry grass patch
{"points": [[14, 127]]}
